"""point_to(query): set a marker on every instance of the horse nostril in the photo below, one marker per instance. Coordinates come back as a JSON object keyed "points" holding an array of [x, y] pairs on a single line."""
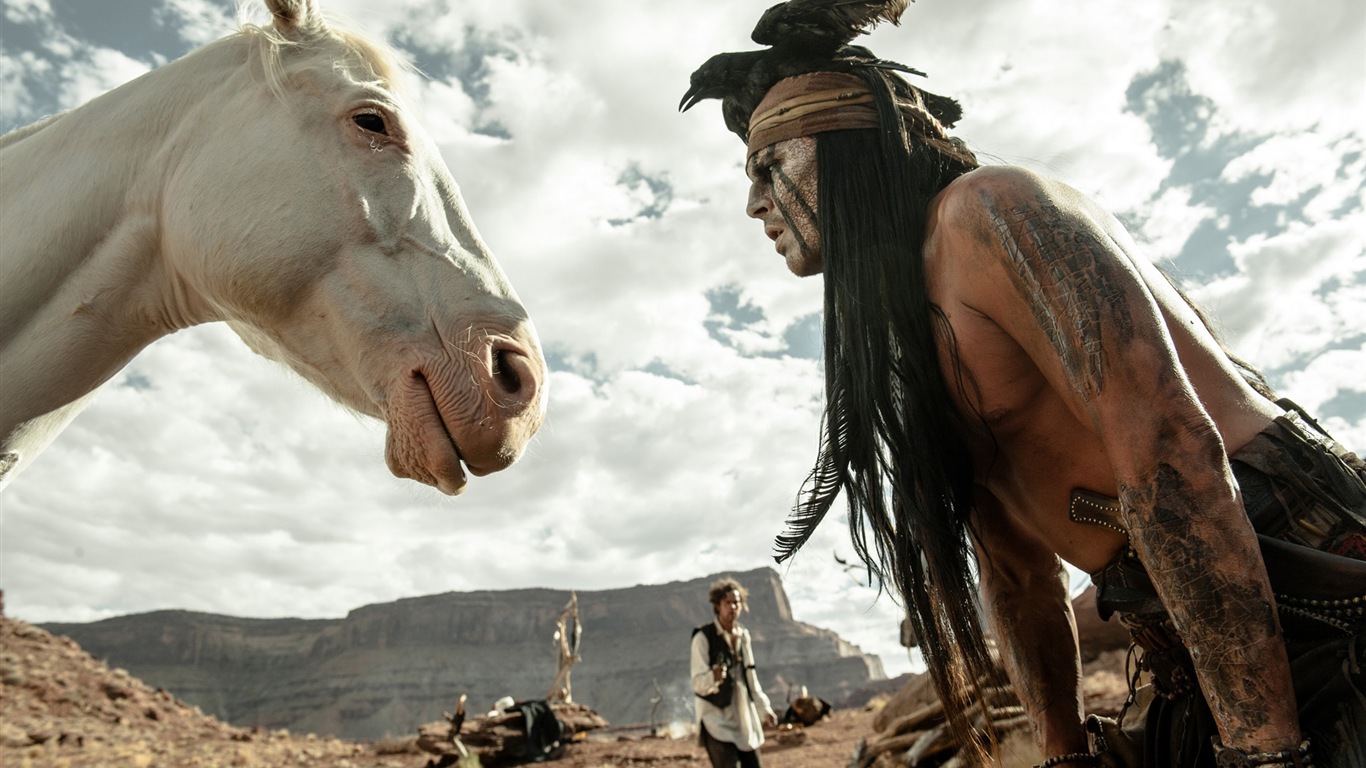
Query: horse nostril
{"points": [[517, 381], [504, 373]]}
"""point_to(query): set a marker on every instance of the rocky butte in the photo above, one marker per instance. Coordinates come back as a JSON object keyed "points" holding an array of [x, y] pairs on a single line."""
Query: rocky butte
{"points": [[386, 668]]}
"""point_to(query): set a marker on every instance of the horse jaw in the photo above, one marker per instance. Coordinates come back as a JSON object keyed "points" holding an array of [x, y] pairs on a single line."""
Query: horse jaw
{"points": [[454, 405]]}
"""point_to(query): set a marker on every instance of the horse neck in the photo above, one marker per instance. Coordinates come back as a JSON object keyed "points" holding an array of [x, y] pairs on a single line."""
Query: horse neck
{"points": [[74, 180], [82, 285]]}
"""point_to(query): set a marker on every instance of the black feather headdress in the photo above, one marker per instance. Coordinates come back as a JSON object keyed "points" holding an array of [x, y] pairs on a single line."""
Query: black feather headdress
{"points": [[805, 36]]}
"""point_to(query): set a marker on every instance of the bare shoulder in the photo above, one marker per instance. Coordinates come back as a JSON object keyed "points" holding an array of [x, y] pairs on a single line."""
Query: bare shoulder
{"points": [[999, 180], [961, 240], [976, 220], [971, 199]]}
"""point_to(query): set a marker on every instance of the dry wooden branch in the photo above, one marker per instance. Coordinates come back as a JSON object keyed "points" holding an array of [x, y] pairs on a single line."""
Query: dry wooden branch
{"points": [[923, 734], [892, 744], [930, 743], [925, 717]]}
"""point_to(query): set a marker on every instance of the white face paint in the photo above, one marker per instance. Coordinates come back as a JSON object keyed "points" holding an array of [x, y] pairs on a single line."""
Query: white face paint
{"points": [[783, 195]]}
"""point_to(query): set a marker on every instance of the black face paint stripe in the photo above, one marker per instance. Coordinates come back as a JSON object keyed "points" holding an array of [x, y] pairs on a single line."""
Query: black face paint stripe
{"points": [[801, 200]]}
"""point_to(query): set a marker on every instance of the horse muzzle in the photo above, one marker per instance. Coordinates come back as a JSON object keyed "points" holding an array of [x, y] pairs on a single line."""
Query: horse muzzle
{"points": [[474, 412]]}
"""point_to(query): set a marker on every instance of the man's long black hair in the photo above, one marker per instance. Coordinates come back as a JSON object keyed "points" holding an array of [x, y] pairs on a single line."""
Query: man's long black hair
{"points": [[892, 439]]}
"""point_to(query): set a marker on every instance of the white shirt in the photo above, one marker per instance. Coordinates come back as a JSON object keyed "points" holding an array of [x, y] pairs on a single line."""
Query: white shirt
{"points": [[739, 723]]}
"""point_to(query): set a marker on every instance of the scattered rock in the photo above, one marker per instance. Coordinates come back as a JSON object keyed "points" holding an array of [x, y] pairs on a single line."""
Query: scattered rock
{"points": [[61, 707]]}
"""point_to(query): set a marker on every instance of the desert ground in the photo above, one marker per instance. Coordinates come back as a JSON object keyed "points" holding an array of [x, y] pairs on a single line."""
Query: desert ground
{"points": [[62, 708]]}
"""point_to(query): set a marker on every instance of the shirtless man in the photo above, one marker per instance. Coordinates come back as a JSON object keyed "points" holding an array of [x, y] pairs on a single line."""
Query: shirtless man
{"points": [[1008, 377]]}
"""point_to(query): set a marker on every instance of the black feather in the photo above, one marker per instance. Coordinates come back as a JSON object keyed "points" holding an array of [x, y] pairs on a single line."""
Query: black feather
{"points": [[804, 36], [822, 26], [822, 486]]}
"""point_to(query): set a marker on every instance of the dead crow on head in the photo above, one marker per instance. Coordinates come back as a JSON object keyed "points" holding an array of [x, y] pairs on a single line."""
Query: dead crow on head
{"points": [[823, 25], [803, 36]]}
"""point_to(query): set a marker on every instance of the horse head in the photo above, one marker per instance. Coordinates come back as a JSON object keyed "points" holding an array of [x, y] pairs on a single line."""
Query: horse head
{"points": [[357, 263], [277, 180]]}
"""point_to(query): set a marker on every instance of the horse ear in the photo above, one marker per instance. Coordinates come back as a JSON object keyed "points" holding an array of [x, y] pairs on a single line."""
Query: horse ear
{"points": [[293, 16]]}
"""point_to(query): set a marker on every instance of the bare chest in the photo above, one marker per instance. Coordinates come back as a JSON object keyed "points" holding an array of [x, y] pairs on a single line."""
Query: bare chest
{"points": [[1031, 451]]}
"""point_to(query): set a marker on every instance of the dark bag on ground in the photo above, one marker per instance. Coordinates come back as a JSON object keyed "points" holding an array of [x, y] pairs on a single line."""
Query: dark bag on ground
{"points": [[544, 732], [806, 710]]}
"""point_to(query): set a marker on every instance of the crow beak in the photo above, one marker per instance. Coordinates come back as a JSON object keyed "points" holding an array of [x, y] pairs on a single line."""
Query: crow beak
{"points": [[690, 98]]}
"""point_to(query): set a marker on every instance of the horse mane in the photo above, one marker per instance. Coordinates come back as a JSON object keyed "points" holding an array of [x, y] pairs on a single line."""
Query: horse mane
{"points": [[25, 131], [386, 65]]}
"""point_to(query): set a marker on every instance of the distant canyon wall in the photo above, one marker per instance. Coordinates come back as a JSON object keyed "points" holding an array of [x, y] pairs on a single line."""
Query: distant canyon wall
{"points": [[386, 668]]}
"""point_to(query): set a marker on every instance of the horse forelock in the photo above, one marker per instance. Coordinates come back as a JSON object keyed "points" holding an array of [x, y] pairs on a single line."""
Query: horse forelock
{"points": [[385, 65]]}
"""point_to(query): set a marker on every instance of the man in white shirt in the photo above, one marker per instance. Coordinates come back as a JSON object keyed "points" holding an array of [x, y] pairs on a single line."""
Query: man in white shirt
{"points": [[729, 698]]}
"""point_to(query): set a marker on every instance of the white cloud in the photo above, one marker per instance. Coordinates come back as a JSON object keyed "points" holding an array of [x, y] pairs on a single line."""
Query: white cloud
{"points": [[96, 72], [27, 11], [16, 100], [1254, 61], [1300, 164], [1289, 297], [196, 21], [1330, 374], [1168, 222]]}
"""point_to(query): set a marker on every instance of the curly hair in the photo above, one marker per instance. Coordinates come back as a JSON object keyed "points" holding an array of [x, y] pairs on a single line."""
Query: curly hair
{"points": [[722, 587]]}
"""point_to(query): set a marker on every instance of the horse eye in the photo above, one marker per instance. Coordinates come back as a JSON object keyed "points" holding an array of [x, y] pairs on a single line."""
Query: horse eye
{"points": [[369, 121]]}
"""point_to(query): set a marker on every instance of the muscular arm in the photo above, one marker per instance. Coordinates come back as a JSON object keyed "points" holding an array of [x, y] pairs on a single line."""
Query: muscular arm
{"points": [[1024, 592], [1056, 277]]}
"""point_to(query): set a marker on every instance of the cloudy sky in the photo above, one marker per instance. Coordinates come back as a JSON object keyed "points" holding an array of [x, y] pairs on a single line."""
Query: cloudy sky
{"points": [[685, 385]]}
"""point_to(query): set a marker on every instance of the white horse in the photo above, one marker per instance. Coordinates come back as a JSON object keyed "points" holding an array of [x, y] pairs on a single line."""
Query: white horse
{"points": [[274, 180]]}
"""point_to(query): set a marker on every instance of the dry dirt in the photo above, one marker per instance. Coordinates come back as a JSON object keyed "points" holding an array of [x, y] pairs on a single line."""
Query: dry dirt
{"points": [[62, 708]]}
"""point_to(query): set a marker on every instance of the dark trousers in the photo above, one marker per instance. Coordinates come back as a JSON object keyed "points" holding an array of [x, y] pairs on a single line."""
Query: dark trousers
{"points": [[724, 754]]}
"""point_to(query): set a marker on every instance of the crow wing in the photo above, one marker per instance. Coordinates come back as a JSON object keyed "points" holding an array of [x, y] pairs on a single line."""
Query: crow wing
{"points": [[823, 25]]}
